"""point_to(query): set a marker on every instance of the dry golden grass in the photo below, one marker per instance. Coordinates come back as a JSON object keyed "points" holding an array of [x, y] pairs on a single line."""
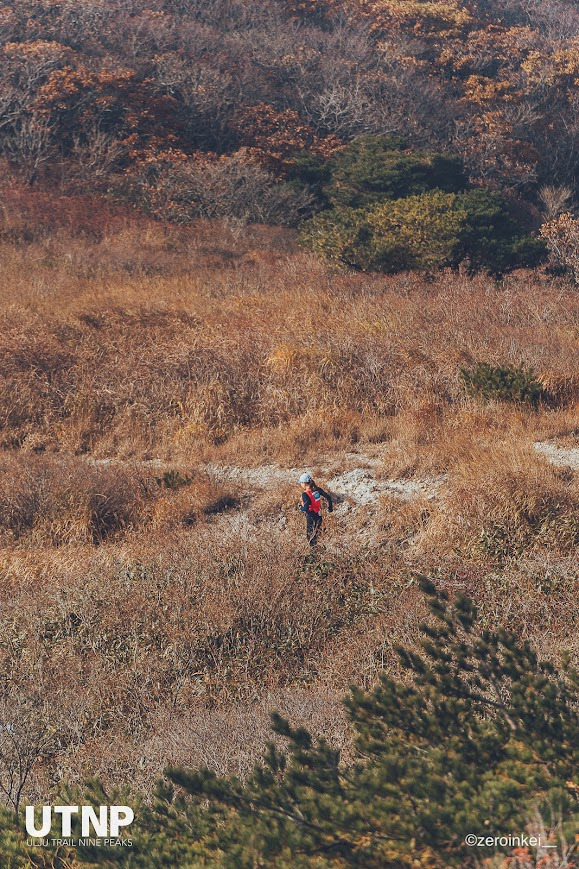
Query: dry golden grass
{"points": [[137, 601], [276, 347], [55, 500], [503, 501]]}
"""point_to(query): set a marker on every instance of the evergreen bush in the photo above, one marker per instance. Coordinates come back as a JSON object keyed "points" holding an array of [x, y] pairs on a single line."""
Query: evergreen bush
{"points": [[427, 231], [502, 382], [372, 169]]}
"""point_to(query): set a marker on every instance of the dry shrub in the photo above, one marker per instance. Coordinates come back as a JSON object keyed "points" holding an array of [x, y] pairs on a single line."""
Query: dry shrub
{"points": [[56, 500], [175, 621], [28, 214], [227, 739], [197, 497], [554, 200], [432, 439], [65, 500], [139, 635], [562, 237], [230, 737], [560, 390], [504, 501], [536, 597], [209, 186], [274, 503], [402, 521]]}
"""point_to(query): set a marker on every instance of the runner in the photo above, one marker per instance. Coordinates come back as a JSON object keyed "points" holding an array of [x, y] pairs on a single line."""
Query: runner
{"points": [[311, 505]]}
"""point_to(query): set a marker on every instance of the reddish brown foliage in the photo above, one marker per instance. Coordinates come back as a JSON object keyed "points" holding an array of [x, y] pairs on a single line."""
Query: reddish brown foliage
{"points": [[275, 136]]}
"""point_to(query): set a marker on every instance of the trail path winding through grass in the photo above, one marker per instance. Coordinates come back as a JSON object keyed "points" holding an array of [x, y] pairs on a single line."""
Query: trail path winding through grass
{"points": [[355, 481]]}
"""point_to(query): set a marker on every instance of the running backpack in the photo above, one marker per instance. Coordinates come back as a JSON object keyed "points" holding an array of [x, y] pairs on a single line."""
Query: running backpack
{"points": [[315, 502]]}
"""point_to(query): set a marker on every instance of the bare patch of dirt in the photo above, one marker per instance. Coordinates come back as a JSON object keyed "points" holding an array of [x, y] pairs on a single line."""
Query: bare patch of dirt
{"points": [[563, 457]]}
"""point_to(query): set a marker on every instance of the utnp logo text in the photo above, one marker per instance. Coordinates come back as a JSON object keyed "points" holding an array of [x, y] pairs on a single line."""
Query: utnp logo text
{"points": [[106, 821]]}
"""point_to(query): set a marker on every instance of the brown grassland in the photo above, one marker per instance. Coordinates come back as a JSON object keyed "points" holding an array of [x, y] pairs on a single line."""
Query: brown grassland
{"points": [[152, 611]]}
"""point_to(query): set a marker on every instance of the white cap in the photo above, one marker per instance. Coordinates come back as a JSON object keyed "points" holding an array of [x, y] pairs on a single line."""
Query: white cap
{"points": [[305, 478]]}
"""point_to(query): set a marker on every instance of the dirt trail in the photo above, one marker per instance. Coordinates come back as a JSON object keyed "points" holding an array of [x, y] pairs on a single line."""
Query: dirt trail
{"points": [[356, 486], [354, 479], [563, 457]]}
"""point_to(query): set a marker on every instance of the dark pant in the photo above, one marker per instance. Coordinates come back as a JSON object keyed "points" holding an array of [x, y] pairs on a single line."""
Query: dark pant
{"points": [[314, 523]]}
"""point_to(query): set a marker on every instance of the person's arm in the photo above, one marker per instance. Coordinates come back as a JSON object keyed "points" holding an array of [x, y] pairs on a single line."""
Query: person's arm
{"points": [[305, 505], [328, 499]]}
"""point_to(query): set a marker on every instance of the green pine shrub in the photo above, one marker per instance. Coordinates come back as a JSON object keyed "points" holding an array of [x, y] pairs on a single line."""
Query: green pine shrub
{"points": [[419, 232], [173, 480], [428, 231], [312, 173], [491, 238], [13, 851], [503, 383], [372, 169]]}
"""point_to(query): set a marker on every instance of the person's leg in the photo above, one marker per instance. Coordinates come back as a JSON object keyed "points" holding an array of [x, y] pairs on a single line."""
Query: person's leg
{"points": [[314, 525]]}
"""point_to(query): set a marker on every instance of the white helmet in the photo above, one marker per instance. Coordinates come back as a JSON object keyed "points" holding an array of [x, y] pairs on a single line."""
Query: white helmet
{"points": [[305, 478]]}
